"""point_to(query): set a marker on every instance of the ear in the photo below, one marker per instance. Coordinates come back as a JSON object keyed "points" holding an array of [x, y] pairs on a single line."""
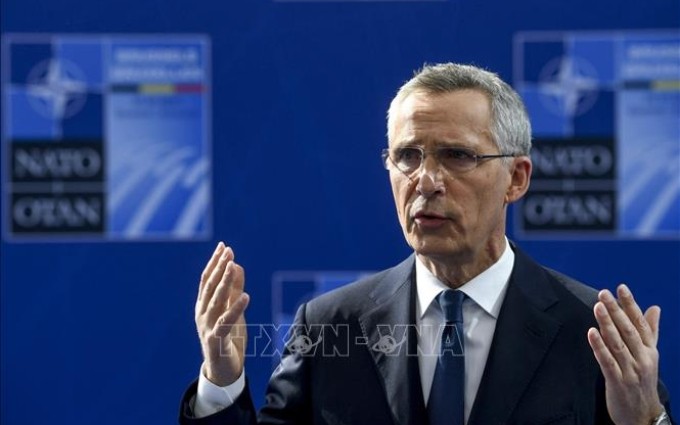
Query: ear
{"points": [[520, 177]]}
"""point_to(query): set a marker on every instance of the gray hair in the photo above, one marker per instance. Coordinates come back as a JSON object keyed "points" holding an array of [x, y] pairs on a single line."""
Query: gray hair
{"points": [[510, 127]]}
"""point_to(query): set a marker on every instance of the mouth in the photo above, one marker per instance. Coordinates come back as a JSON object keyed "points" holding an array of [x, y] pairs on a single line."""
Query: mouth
{"points": [[429, 220]]}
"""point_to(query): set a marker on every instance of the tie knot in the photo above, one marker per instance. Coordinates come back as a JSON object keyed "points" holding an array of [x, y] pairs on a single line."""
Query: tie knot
{"points": [[451, 303]]}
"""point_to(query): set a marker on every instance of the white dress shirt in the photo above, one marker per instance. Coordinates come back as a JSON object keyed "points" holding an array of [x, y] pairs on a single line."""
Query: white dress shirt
{"points": [[485, 294]]}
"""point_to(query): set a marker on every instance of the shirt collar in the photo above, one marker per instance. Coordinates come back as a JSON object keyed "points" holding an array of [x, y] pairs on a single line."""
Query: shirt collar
{"points": [[485, 289]]}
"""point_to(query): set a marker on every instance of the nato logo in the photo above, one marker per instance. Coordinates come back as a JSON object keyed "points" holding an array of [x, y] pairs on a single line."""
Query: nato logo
{"points": [[568, 85], [56, 88], [604, 109], [107, 137]]}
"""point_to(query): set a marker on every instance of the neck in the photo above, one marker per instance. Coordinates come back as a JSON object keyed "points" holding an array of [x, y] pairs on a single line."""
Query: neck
{"points": [[457, 270]]}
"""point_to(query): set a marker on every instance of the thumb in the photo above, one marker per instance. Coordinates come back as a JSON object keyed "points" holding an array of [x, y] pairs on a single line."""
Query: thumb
{"points": [[231, 317]]}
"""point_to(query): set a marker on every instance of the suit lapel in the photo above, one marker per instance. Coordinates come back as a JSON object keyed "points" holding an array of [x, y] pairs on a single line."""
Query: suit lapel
{"points": [[392, 342], [524, 333]]}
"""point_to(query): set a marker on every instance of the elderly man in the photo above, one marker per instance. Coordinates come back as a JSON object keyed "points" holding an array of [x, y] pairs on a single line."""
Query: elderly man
{"points": [[467, 330]]}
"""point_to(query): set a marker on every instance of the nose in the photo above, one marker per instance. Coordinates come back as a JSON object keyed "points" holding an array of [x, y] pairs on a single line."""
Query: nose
{"points": [[430, 178]]}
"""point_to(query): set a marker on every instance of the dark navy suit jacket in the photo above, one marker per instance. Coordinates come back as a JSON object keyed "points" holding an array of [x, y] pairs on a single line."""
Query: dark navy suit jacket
{"points": [[540, 368]]}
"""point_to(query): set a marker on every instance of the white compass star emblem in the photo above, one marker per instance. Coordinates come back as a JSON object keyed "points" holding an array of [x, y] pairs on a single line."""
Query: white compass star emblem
{"points": [[57, 88], [569, 85]]}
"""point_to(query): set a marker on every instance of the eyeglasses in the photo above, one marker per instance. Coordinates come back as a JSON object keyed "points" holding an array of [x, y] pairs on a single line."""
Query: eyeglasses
{"points": [[409, 159]]}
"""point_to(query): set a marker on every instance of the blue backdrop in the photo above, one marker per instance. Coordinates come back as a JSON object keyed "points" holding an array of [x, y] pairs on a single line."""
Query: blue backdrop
{"points": [[103, 332]]}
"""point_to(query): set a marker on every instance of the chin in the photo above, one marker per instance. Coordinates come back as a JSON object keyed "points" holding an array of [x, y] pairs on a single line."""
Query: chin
{"points": [[435, 247]]}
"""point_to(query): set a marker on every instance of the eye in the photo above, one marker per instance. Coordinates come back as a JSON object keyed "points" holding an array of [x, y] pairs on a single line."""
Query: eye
{"points": [[408, 155], [456, 154], [408, 158]]}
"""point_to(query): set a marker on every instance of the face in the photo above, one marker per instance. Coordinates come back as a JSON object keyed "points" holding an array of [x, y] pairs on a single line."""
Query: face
{"points": [[459, 217]]}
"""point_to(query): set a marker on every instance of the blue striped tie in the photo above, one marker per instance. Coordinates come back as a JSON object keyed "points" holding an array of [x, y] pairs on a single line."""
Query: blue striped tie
{"points": [[446, 405]]}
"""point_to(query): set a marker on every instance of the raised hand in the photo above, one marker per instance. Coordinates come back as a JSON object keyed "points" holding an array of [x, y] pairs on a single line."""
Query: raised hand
{"points": [[625, 348], [219, 317]]}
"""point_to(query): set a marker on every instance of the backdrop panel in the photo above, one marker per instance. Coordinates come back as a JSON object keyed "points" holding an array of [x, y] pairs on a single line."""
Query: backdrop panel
{"points": [[287, 129]]}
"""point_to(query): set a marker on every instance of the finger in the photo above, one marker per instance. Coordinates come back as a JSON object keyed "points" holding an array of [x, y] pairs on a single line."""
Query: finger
{"points": [[230, 288], [608, 364], [625, 328], [612, 338], [653, 318], [237, 281], [208, 283], [226, 321], [632, 310], [218, 272], [218, 302], [215, 277], [207, 271]]}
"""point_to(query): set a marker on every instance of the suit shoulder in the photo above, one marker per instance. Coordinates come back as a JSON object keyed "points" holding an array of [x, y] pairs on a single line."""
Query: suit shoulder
{"points": [[584, 293], [356, 298], [349, 295]]}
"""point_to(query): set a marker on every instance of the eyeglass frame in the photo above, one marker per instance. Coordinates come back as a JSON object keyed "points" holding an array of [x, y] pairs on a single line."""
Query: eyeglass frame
{"points": [[386, 156]]}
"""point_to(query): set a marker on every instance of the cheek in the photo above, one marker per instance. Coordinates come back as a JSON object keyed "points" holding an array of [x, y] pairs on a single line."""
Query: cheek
{"points": [[400, 191], [489, 200], [478, 201]]}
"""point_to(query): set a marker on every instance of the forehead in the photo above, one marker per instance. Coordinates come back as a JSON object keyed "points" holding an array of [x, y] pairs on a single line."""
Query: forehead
{"points": [[440, 115]]}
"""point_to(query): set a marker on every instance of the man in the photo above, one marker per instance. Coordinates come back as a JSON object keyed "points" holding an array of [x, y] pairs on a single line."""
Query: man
{"points": [[523, 345]]}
